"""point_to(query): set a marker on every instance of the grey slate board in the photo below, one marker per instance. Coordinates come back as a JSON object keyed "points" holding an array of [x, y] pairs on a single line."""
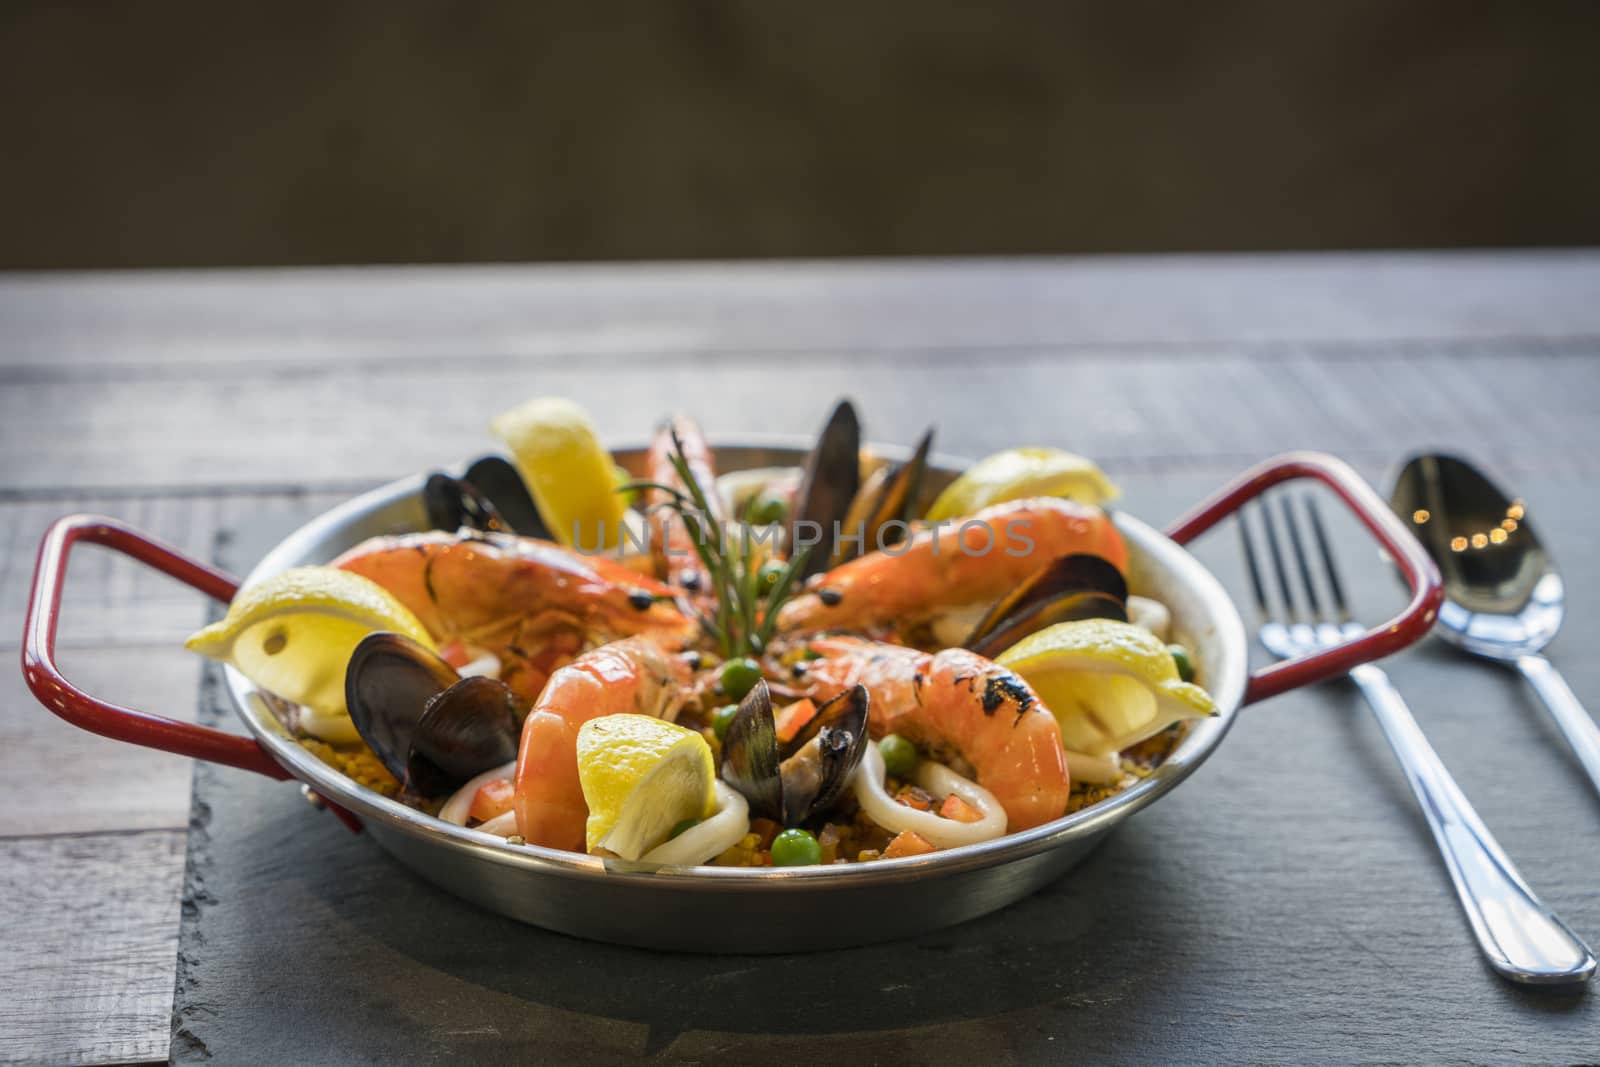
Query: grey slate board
{"points": [[1285, 905]]}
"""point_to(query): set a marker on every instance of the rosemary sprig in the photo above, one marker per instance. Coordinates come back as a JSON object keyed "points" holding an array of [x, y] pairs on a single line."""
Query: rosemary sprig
{"points": [[743, 621]]}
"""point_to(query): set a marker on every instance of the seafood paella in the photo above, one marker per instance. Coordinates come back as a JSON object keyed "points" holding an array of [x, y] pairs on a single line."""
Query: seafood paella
{"points": [[682, 666]]}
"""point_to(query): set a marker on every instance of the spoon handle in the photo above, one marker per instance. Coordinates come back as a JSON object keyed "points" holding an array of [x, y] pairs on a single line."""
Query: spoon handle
{"points": [[1520, 936], [1582, 733]]}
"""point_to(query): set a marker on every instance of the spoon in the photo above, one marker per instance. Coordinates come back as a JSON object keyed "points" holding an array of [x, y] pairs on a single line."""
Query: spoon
{"points": [[1503, 597]]}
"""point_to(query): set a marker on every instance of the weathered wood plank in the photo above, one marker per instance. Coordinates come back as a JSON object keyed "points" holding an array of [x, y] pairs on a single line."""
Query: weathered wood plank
{"points": [[90, 929], [351, 424], [555, 314], [62, 780]]}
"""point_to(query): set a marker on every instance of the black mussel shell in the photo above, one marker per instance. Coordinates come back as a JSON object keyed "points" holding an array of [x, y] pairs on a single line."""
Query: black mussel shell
{"points": [[387, 686], [454, 503], [491, 496], [882, 508], [832, 478], [810, 772], [496, 478], [826, 753], [750, 754], [465, 730], [1079, 586]]}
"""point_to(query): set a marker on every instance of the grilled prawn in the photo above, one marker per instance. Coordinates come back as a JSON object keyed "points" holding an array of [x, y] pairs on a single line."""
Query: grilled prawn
{"points": [[636, 676], [956, 702], [529, 602], [952, 565]]}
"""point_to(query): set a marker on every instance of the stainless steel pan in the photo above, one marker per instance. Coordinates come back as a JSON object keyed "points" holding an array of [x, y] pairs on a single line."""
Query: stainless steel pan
{"points": [[710, 909]]}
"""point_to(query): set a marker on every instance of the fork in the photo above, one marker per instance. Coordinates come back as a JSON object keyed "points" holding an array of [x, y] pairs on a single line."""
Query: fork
{"points": [[1521, 938]]}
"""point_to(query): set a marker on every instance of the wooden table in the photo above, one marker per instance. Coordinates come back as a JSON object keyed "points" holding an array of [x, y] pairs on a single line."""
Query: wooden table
{"points": [[188, 403]]}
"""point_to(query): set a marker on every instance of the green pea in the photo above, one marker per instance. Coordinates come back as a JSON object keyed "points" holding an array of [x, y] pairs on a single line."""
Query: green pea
{"points": [[899, 756], [796, 848], [1180, 656], [682, 826], [767, 576], [767, 509], [721, 719], [739, 676]]}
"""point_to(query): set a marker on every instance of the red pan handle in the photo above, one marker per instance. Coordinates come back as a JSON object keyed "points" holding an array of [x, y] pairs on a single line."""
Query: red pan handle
{"points": [[1427, 590], [113, 720]]}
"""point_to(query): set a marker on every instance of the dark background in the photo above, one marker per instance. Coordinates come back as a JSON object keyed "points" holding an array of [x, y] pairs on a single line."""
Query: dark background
{"points": [[192, 133]]}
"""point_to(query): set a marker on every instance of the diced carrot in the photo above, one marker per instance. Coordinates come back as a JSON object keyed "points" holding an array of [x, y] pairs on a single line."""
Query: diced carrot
{"points": [[792, 719], [959, 810], [907, 843], [765, 830], [912, 797], [492, 799]]}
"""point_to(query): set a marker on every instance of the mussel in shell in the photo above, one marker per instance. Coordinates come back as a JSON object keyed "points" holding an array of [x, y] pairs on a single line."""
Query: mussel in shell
{"points": [[880, 514], [792, 782], [1079, 586], [455, 503], [430, 727], [465, 730], [491, 495], [830, 482]]}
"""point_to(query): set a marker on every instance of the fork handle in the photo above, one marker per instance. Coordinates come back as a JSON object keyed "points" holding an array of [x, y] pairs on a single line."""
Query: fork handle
{"points": [[1521, 937], [1582, 733]]}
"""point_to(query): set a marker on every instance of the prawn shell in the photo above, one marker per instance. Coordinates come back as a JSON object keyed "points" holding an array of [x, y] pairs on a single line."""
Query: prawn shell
{"points": [[1073, 587], [675, 536], [936, 569]]}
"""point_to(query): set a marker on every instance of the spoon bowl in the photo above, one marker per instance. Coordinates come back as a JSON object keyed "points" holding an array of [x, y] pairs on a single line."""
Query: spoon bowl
{"points": [[1503, 596], [1504, 599]]}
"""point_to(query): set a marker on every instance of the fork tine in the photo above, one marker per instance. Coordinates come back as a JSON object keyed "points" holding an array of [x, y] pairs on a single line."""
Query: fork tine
{"points": [[1335, 586], [1284, 586], [1252, 566], [1295, 542]]}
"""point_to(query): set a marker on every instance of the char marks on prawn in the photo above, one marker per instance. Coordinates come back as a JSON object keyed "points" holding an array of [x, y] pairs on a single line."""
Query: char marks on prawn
{"points": [[1003, 686]]}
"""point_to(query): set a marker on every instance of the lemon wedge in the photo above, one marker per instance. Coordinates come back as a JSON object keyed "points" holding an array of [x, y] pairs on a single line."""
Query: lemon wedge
{"points": [[292, 635], [1109, 684], [1023, 472], [569, 474], [641, 777]]}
